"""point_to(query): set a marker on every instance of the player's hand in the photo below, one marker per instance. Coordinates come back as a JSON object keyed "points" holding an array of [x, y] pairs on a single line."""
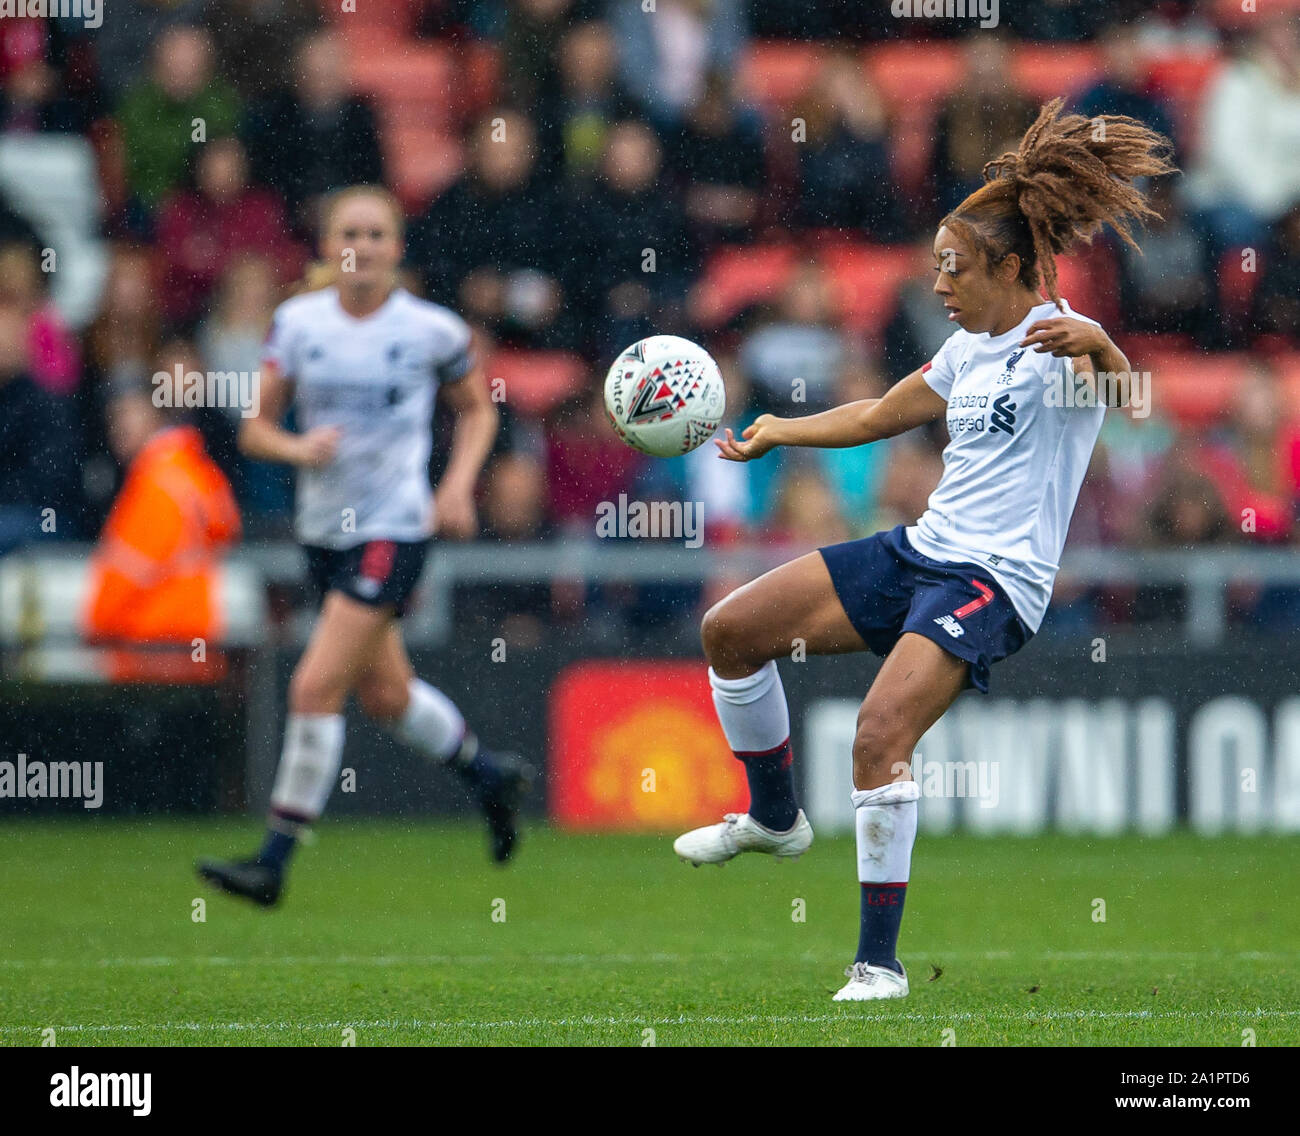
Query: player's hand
{"points": [[317, 447], [456, 515], [1064, 337], [758, 439]]}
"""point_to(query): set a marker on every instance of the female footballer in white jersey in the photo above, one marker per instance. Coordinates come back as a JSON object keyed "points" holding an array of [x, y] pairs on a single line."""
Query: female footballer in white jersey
{"points": [[364, 360], [968, 584]]}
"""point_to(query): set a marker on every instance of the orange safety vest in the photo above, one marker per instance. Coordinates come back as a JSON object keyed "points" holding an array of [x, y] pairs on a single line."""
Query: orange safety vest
{"points": [[154, 571]]}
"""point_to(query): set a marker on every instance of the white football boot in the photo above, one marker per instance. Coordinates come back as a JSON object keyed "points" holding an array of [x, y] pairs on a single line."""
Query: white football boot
{"points": [[718, 843], [867, 983]]}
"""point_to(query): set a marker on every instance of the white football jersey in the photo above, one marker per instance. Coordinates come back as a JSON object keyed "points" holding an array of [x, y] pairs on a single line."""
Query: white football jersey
{"points": [[376, 380], [1022, 427]]}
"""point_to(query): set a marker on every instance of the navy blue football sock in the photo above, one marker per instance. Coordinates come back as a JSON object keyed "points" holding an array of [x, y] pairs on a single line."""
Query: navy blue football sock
{"points": [[279, 843], [473, 763], [771, 787], [882, 914]]}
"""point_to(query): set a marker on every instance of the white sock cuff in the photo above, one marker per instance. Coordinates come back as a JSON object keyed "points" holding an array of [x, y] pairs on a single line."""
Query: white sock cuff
{"points": [[742, 691], [895, 793]]}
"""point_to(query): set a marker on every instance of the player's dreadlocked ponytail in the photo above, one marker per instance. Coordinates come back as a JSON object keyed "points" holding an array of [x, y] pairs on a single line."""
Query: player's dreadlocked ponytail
{"points": [[1070, 176]]}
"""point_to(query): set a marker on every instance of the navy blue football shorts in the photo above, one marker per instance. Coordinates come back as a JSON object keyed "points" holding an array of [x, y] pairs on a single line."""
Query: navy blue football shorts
{"points": [[888, 588], [381, 573]]}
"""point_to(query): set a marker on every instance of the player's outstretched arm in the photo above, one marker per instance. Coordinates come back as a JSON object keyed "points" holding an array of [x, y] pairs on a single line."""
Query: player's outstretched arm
{"points": [[262, 438], [476, 427], [908, 403]]}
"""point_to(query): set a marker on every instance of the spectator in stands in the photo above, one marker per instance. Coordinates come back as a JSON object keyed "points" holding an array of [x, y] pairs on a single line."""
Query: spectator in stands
{"points": [[54, 353], [158, 116], [14, 226], [154, 570], [1123, 88], [34, 101], [805, 516], [491, 245], [530, 47], [855, 475], [1247, 174], [1070, 20], [201, 228], [627, 210], [918, 327], [1136, 452], [39, 450], [844, 173], [1187, 509], [513, 509], [313, 138], [795, 359], [574, 123], [984, 115], [125, 333], [122, 43], [1167, 286], [1255, 463], [666, 58], [232, 339], [256, 39], [585, 463], [718, 157], [1277, 299], [912, 474]]}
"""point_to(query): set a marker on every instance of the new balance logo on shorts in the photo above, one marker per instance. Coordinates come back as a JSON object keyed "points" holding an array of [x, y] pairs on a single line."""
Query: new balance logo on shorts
{"points": [[950, 625]]}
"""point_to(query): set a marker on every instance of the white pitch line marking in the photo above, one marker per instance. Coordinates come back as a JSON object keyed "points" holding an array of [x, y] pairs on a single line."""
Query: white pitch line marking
{"points": [[920, 955], [681, 1020]]}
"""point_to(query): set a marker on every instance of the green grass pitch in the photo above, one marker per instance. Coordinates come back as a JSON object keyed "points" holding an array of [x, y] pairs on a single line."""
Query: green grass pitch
{"points": [[388, 930]]}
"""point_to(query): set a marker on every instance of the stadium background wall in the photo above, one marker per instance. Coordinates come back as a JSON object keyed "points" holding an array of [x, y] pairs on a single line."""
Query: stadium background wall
{"points": [[1063, 741]]}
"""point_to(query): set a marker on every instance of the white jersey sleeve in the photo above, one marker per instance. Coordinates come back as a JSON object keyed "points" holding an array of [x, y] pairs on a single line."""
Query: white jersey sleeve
{"points": [[459, 352], [941, 371]]}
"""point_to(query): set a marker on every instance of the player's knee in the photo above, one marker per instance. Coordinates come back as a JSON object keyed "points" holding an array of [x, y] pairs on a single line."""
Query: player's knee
{"points": [[311, 693], [385, 701], [882, 746], [722, 637]]}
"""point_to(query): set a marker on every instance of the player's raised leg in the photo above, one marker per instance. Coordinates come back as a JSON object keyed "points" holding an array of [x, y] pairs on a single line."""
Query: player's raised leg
{"points": [[423, 717], [915, 685], [341, 647], [743, 635]]}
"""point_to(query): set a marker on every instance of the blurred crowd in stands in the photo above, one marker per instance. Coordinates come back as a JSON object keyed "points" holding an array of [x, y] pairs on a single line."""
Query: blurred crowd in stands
{"points": [[724, 170]]}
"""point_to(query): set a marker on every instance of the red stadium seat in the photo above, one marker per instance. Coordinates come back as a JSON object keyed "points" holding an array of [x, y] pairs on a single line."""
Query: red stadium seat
{"points": [[915, 73], [1287, 368], [415, 85], [775, 74], [1044, 71], [535, 381], [1182, 78], [737, 277], [397, 17], [1089, 280], [1196, 388], [1236, 286], [866, 279], [420, 163], [480, 76], [1142, 347]]}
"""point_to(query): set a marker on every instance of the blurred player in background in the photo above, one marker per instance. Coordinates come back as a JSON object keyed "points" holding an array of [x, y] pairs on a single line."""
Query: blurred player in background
{"points": [[969, 583], [366, 360]]}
